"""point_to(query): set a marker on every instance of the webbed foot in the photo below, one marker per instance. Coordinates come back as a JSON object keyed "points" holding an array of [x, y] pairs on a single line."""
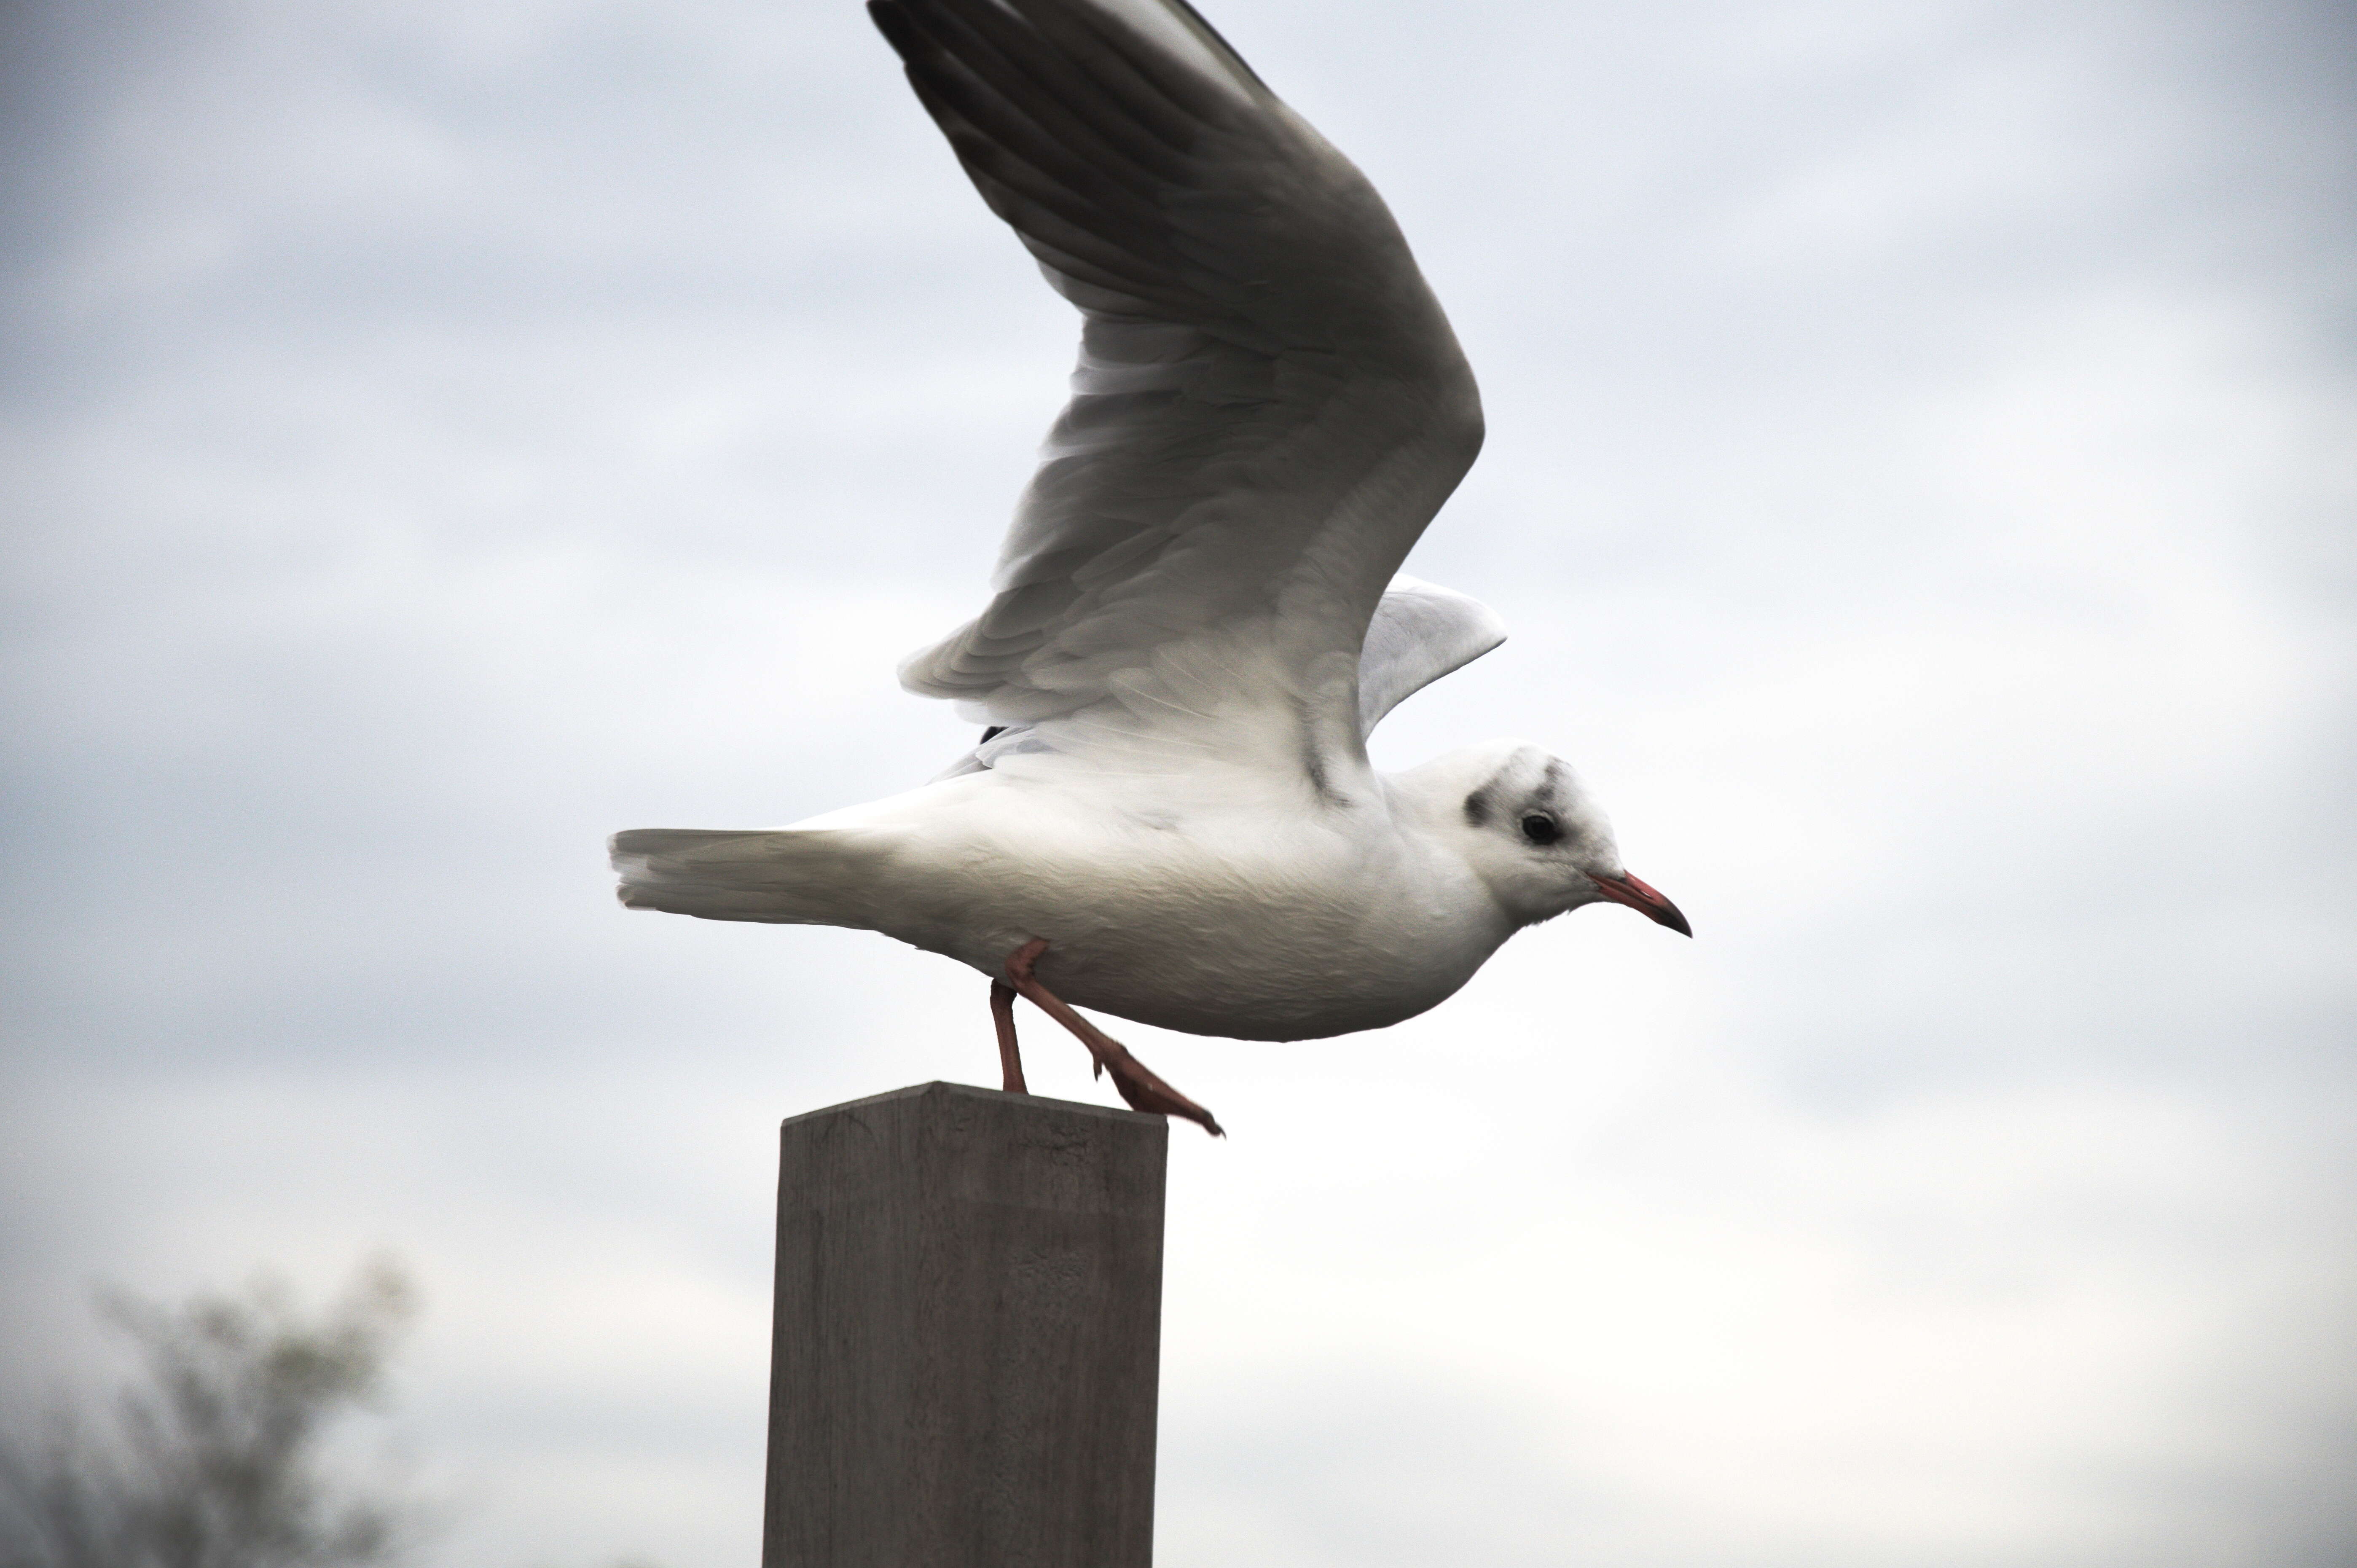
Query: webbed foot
{"points": [[1138, 1083]]}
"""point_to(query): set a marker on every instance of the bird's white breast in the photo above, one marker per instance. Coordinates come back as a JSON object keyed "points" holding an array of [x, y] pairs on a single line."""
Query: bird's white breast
{"points": [[1235, 920]]}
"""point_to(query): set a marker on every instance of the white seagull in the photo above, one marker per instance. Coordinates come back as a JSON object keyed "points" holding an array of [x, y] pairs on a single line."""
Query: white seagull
{"points": [[1196, 618]]}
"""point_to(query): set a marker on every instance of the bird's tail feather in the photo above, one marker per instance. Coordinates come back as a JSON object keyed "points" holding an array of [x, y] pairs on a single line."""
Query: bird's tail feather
{"points": [[806, 876]]}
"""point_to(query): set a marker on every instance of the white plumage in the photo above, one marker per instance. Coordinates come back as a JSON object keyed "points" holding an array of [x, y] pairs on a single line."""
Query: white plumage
{"points": [[1197, 619]]}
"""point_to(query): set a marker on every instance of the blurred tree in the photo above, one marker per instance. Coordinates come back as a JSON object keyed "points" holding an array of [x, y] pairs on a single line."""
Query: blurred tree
{"points": [[215, 1459]]}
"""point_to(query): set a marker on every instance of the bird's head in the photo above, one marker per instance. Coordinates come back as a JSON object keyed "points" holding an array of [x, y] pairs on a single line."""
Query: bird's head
{"points": [[1521, 820]]}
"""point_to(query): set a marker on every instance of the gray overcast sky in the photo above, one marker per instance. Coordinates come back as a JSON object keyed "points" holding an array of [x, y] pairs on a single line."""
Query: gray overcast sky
{"points": [[1920, 484]]}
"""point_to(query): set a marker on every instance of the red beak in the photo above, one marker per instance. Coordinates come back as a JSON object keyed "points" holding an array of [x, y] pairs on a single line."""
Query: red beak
{"points": [[1627, 889]]}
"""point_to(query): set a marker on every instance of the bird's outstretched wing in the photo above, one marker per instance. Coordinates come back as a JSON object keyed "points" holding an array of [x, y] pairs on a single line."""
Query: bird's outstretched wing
{"points": [[1268, 409], [1420, 632]]}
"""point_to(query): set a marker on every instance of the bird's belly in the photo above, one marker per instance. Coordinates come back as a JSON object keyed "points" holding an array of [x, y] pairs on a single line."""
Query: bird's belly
{"points": [[1212, 946], [1244, 995]]}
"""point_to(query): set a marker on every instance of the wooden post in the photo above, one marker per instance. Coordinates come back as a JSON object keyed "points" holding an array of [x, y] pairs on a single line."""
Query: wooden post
{"points": [[968, 1334]]}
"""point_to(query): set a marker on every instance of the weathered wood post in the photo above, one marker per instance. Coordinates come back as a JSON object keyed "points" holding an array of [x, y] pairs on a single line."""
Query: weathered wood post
{"points": [[964, 1358]]}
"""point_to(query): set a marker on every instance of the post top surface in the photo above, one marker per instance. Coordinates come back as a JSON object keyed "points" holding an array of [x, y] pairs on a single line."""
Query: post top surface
{"points": [[975, 1092]]}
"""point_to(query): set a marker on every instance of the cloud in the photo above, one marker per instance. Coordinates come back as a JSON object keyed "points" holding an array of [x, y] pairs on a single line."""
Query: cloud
{"points": [[447, 434]]}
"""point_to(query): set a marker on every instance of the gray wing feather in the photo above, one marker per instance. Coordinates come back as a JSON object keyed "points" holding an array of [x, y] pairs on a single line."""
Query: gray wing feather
{"points": [[1268, 408]]}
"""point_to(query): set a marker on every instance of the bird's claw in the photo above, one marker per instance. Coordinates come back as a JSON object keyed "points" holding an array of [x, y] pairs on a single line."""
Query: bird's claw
{"points": [[1136, 1082]]}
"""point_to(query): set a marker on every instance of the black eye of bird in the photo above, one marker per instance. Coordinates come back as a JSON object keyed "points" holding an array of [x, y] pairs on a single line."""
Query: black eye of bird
{"points": [[1540, 827]]}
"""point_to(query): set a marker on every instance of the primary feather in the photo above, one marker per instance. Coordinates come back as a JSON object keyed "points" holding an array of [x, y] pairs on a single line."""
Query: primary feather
{"points": [[1269, 405]]}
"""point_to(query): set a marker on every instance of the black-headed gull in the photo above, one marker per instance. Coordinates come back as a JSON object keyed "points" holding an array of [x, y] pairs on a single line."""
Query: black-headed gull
{"points": [[1196, 622]]}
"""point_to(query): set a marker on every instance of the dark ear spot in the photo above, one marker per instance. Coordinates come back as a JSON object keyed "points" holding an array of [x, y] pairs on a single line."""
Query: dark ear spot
{"points": [[1477, 807], [1550, 790]]}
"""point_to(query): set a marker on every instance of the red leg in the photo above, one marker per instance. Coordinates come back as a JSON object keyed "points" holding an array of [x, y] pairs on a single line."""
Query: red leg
{"points": [[1010, 1057], [1136, 1082]]}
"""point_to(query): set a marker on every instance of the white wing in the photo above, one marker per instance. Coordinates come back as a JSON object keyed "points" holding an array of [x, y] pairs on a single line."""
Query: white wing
{"points": [[1268, 409], [1420, 632]]}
